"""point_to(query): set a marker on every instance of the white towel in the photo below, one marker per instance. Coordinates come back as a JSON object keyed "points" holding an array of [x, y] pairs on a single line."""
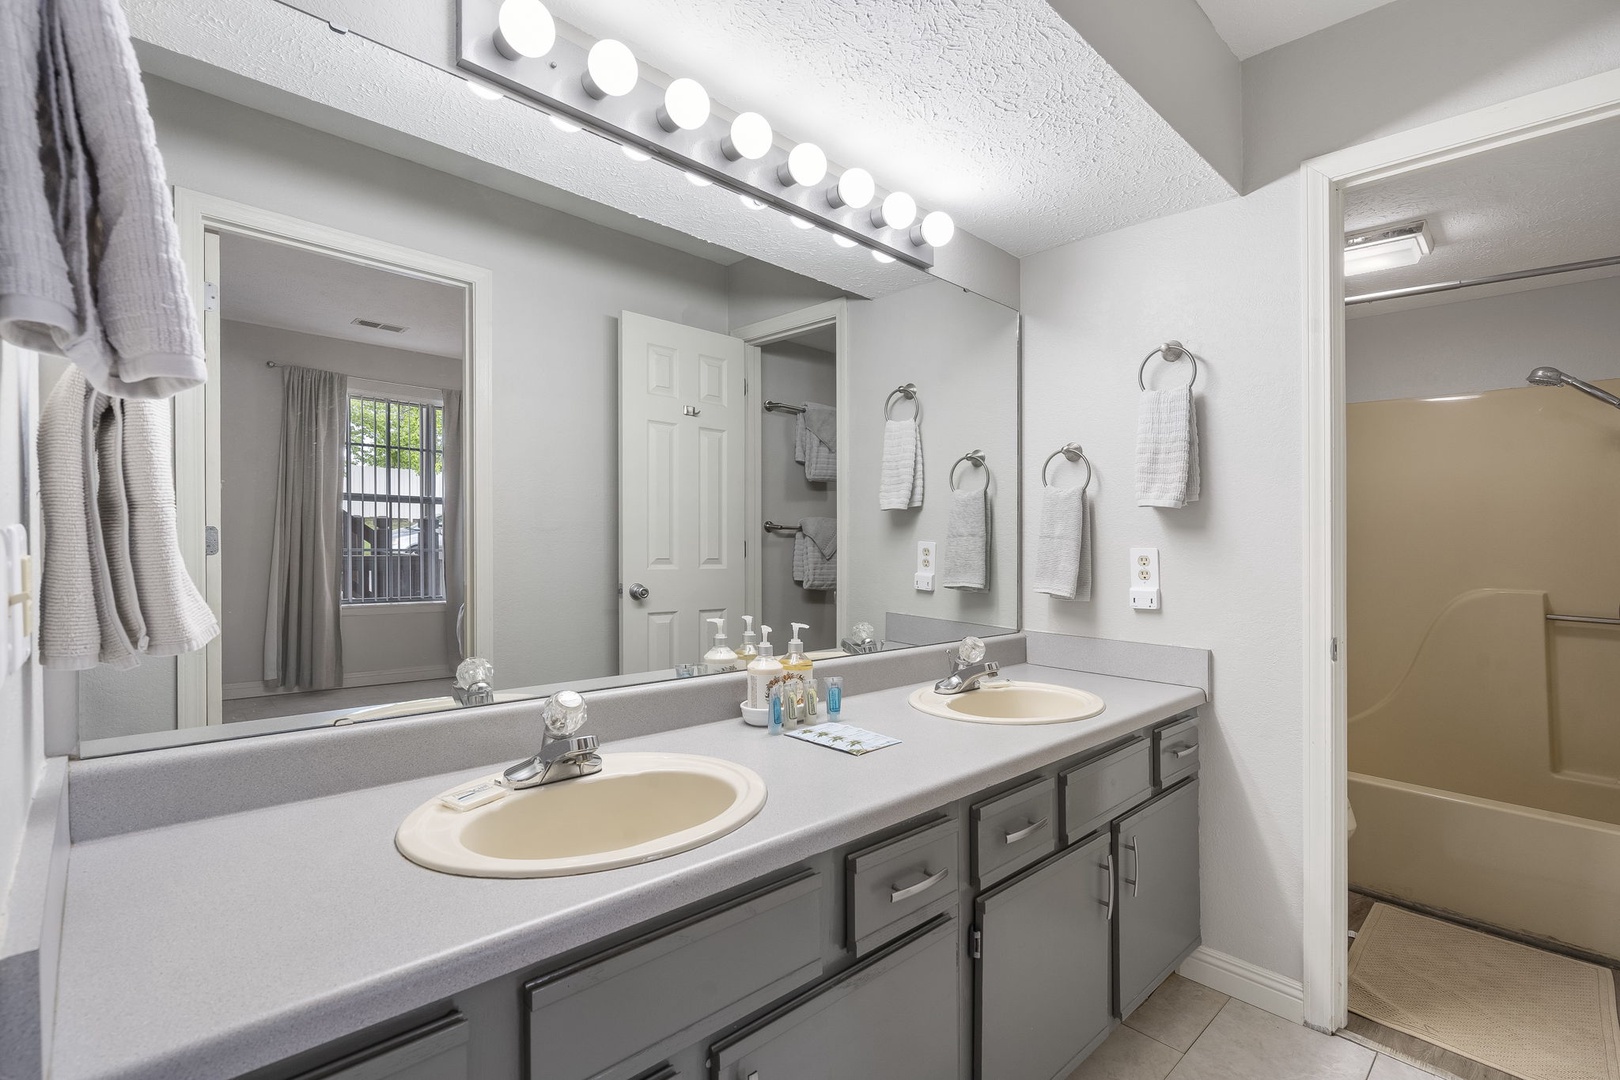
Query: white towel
{"points": [[1063, 546], [901, 485], [113, 585], [816, 442], [815, 553], [1167, 448], [90, 263], [966, 563]]}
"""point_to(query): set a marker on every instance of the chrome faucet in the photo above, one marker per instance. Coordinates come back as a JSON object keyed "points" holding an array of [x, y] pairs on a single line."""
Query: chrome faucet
{"points": [[563, 755], [969, 669], [475, 682]]}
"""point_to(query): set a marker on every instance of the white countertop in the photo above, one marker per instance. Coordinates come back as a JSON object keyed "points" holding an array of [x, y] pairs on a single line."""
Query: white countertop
{"points": [[209, 948]]}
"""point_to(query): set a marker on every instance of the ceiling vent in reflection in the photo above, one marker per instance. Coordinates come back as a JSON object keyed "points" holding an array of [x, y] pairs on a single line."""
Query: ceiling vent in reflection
{"points": [[372, 324]]}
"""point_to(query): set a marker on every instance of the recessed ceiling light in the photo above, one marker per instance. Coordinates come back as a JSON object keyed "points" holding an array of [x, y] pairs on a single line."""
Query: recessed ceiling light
{"points": [[1386, 248]]}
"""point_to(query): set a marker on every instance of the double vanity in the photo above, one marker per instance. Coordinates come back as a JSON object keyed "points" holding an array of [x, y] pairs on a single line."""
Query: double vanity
{"points": [[983, 899]]}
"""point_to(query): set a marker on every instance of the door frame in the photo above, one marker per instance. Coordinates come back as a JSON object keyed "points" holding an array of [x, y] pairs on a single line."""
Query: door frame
{"points": [[756, 336], [199, 676], [1325, 180]]}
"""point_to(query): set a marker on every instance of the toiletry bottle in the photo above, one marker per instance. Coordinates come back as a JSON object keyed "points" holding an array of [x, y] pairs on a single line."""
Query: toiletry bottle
{"points": [[746, 651], [796, 665], [719, 658], [764, 673]]}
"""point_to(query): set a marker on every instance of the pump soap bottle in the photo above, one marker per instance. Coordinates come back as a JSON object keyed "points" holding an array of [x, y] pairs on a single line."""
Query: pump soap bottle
{"points": [[719, 658], [797, 665], [764, 673], [746, 651]]}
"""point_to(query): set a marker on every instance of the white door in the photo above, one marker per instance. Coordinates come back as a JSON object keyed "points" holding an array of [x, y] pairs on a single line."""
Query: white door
{"points": [[682, 435]]}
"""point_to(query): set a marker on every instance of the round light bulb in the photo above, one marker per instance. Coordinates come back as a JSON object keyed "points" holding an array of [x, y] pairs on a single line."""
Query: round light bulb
{"points": [[484, 93], [685, 107], [750, 137], [843, 241], [897, 211], [698, 180], [524, 29], [610, 69], [635, 153], [806, 165], [935, 229], [853, 189], [882, 256], [564, 124]]}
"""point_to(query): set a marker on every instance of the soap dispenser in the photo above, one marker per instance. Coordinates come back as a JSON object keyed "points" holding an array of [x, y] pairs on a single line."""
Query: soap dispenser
{"points": [[746, 652], [719, 658], [763, 673], [797, 665]]}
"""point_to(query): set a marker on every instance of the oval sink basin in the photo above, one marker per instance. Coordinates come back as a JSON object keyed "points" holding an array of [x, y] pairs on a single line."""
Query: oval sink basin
{"points": [[640, 807], [1011, 703]]}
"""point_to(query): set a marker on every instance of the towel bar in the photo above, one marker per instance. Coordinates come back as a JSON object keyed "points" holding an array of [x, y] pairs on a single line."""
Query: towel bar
{"points": [[909, 393], [972, 457], [1172, 352], [1592, 620], [771, 526], [782, 406], [1073, 452]]}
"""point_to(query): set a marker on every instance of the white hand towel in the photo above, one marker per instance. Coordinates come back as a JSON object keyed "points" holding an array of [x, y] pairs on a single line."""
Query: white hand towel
{"points": [[900, 486], [90, 263], [1167, 471], [815, 553], [966, 563], [113, 584], [1063, 546], [816, 443]]}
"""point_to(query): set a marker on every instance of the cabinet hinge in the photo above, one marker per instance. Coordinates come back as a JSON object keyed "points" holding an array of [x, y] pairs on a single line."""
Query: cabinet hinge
{"points": [[976, 944], [210, 296]]}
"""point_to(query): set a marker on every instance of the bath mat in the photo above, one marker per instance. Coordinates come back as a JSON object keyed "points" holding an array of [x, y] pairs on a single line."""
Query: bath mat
{"points": [[1524, 1011]]}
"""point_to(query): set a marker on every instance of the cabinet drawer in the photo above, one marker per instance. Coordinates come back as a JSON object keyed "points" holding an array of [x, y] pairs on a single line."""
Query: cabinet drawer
{"points": [[894, 1015], [436, 1051], [615, 1015], [1013, 831], [902, 883], [1175, 751], [1100, 790]]}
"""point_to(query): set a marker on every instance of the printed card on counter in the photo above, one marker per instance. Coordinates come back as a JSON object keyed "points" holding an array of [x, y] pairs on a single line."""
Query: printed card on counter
{"points": [[851, 740]]}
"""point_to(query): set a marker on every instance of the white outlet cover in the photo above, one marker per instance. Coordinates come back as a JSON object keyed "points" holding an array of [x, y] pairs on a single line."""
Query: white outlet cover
{"points": [[927, 552]]}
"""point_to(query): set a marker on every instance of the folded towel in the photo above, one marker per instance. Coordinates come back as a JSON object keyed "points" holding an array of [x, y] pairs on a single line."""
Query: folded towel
{"points": [[1063, 546], [815, 553], [90, 264], [1167, 448], [966, 563], [113, 585], [816, 442], [900, 486]]}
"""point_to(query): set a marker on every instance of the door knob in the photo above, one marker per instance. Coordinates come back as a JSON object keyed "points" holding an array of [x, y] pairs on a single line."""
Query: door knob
{"points": [[638, 591]]}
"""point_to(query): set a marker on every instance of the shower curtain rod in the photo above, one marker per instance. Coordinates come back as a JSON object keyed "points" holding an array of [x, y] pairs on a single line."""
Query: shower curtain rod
{"points": [[1597, 620], [1516, 275]]}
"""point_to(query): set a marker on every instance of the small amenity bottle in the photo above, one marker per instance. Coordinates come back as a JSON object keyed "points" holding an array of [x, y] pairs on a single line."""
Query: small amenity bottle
{"points": [[719, 658], [747, 651], [764, 673]]}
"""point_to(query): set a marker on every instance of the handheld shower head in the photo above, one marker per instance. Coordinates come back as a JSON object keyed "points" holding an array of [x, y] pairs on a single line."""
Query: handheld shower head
{"points": [[1551, 376], [1546, 376]]}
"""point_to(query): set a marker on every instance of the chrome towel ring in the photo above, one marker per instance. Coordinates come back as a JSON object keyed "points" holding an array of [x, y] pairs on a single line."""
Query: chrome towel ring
{"points": [[974, 458], [1172, 352], [908, 392], [1073, 452]]}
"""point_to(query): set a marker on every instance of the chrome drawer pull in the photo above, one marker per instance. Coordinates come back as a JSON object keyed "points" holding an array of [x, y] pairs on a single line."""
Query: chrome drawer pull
{"points": [[1184, 751], [1132, 881], [897, 894], [1026, 832], [1109, 903]]}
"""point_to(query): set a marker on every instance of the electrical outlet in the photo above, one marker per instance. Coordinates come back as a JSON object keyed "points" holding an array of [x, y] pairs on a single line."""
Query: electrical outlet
{"points": [[1144, 569], [924, 579]]}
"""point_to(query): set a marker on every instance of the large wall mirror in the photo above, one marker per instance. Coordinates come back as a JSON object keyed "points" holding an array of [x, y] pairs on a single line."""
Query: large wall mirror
{"points": [[445, 421]]}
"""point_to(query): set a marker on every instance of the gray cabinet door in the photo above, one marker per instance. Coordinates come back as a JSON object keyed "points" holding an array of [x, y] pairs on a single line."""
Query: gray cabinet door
{"points": [[435, 1051], [1043, 975], [1157, 856], [893, 1016]]}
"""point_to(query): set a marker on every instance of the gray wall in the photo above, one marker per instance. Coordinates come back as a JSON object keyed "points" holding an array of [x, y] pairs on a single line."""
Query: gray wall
{"points": [[962, 352], [560, 284], [379, 644], [795, 374], [1470, 346]]}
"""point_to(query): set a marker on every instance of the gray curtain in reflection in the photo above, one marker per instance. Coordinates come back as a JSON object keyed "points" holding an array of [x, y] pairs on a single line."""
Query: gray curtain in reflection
{"points": [[455, 558], [303, 630]]}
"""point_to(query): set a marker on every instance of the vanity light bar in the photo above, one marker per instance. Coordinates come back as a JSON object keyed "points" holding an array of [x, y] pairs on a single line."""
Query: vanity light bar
{"points": [[600, 89]]}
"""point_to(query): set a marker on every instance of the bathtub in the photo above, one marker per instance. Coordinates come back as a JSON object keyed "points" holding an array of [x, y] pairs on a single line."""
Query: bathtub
{"points": [[1533, 872]]}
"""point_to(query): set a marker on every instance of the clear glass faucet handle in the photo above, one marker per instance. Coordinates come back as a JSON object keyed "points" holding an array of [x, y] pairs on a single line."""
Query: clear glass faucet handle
{"points": [[475, 670], [971, 651], [565, 713]]}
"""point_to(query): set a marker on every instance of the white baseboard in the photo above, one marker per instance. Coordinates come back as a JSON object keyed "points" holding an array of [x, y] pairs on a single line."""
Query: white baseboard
{"points": [[1250, 984]]}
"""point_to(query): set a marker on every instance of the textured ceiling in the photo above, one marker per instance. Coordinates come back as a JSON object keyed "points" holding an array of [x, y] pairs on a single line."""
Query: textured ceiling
{"points": [[1253, 26], [994, 110], [277, 285], [1541, 202]]}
